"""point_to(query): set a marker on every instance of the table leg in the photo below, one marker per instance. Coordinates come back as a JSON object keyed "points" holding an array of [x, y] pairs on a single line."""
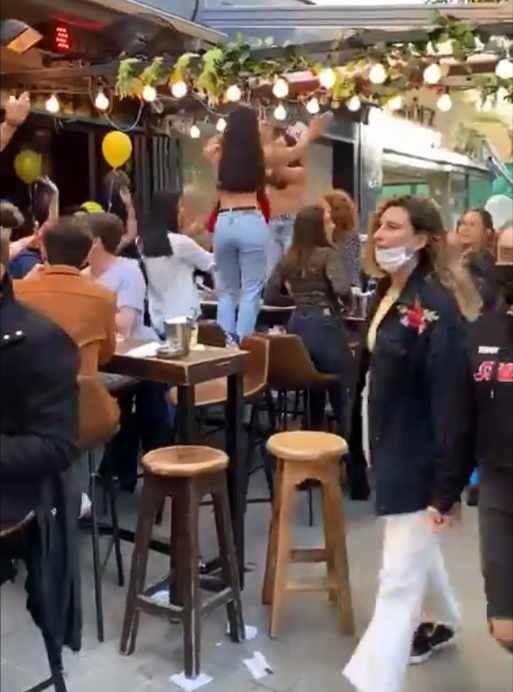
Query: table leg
{"points": [[237, 467], [187, 429]]}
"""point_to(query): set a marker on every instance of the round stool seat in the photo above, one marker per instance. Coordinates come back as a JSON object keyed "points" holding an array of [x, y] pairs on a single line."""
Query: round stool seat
{"points": [[307, 445], [184, 460]]}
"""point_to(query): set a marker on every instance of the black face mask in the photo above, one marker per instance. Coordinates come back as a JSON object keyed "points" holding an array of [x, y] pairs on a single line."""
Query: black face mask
{"points": [[504, 278]]}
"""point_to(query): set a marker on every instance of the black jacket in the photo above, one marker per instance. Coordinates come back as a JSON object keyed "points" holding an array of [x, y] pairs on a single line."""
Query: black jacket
{"points": [[490, 345], [38, 444], [419, 382]]}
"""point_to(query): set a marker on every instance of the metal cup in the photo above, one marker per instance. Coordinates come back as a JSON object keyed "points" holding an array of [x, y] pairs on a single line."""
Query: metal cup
{"points": [[178, 335]]}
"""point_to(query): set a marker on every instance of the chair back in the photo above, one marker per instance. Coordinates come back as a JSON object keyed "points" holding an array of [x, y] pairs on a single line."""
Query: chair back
{"points": [[211, 334], [256, 365], [290, 365], [98, 413]]}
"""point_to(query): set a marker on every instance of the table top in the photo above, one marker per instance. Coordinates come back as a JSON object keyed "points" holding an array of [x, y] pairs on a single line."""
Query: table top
{"points": [[132, 359], [263, 308]]}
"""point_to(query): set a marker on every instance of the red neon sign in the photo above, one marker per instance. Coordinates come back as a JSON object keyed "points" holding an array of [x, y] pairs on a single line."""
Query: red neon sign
{"points": [[62, 39]]}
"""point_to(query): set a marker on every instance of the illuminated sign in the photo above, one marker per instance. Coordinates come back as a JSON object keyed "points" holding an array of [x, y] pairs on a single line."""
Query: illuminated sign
{"points": [[62, 39]]}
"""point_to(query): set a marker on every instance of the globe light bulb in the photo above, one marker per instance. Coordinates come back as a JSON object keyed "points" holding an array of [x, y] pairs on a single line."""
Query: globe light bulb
{"points": [[221, 125], [354, 104], [281, 88], [233, 93], [313, 106], [327, 78], [179, 89], [149, 93], [52, 105], [195, 132], [433, 73], [280, 112], [444, 103], [395, 103], [378, 74], [504, 69], [101, 101]]}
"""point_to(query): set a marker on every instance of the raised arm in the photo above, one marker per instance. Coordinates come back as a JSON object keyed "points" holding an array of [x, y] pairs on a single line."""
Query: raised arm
{"points": [[277, 155], [16, 112], [131, 219]]}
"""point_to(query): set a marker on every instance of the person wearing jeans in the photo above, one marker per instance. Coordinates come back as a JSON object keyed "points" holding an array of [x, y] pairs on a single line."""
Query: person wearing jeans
{"points": [[240, 247], [281, 230]]}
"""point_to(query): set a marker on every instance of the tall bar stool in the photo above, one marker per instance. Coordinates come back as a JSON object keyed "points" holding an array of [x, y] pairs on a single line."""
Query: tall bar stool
{"points": [[307, 455], [185, 474]]}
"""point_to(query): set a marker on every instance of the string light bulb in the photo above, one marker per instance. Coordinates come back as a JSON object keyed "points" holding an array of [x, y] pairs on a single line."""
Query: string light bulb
{"points": [[504, 69], [280, 112], [354, 103], [395, 103], [149, 93], [378, 74], [433, 73], [52, 105], [195, 132], [179, 89], [221, 125], [101, 101], [444, 103], [233, 93], [327, 78], [281, 88], [313, 106]]}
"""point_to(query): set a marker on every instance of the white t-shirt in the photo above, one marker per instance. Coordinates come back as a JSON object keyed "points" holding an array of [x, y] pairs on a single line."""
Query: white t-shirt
{"points": [[171, 289]]}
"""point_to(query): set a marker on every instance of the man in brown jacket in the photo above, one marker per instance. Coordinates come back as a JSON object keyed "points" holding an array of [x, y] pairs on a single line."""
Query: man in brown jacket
{"points": [[84, 308]]}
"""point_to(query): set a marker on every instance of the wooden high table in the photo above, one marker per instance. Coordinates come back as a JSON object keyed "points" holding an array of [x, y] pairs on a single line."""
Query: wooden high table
{"points": [[183, 373]]}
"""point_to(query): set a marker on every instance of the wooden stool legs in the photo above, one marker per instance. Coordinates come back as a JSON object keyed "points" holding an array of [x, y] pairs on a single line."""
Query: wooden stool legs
{"points": [[280, 550]]}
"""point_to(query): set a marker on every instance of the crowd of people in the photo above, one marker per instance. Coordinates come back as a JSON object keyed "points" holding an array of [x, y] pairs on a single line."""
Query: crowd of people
{"points": [[437, 362]]}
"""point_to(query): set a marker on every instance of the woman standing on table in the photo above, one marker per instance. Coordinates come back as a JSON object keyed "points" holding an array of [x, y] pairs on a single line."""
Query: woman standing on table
{"points": [[419, 385]]}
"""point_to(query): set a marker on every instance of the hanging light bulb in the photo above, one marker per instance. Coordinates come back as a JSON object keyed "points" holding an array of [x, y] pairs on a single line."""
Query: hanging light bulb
{"points": [[12, 98], [101, 101], [195, 132], [354, 104], [327, 78], [179, 89], [281, 88], [221, 125], [149, 93], [52, 105], [444, 103], [433, 73], [233, 93], [313, 106], [395, 103], [378, 74], [280, 112], [504, 69]]}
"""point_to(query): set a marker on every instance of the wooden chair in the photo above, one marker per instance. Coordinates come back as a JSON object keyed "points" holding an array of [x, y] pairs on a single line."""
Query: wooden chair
{"points": [[185, 474], [303, 455]]}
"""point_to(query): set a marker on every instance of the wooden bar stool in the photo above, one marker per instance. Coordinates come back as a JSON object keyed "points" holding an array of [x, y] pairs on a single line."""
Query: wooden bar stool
{"points": [[185, 474], [307, 455]]}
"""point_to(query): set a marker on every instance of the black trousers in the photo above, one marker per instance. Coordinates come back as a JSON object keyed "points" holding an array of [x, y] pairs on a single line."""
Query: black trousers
{"points": [[496, 533]]}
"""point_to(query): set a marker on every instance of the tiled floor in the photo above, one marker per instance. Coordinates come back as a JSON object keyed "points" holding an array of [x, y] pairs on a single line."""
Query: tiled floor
{"points": [[307, 657]]}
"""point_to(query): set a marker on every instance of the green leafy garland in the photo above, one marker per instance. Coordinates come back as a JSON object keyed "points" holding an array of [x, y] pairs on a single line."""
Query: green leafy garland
{"points": [[210, 74]]}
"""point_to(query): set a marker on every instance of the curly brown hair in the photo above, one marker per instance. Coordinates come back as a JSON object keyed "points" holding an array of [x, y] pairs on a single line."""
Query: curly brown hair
{"points": [[343, 213]]}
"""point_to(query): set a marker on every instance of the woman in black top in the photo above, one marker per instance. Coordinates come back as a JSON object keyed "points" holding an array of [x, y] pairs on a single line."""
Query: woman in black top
{"points": [[419, 385], [317, 284]]}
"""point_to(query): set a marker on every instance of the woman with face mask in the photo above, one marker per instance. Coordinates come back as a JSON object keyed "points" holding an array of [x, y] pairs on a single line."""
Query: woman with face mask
{"points": [[491, 354], [418, 383]]}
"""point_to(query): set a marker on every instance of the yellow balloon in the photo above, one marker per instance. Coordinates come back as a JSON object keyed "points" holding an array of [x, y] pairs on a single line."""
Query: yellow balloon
{"points": [[28, 166], [116, 148]]}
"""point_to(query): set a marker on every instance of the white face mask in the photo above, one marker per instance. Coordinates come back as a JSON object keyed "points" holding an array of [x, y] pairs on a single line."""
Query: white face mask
{"points": [[391, 259]]}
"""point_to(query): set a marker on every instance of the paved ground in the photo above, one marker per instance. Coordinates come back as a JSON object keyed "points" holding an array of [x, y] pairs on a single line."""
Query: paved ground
{"points": [[307, 657]]}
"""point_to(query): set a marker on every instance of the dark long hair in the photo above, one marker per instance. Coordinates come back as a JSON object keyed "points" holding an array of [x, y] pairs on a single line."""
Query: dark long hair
{"points": [[309, 234], [162, 219], [242, 166]]}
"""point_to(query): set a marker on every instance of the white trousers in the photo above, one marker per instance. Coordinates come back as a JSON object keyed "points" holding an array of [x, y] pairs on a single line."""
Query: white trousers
{"points": [[412, 566]]}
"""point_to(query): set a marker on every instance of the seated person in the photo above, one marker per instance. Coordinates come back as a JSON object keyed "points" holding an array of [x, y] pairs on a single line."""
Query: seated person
{"points": [[38, 445], [85, 309]]}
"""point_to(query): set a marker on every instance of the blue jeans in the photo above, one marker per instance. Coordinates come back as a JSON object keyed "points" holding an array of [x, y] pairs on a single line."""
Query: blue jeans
{"points": [[240, 243], [281, 231]]}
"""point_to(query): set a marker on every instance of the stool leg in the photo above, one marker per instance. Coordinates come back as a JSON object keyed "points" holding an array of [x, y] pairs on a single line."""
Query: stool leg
{"points": [[310, 507], [146, 518], [188, 581], [95, 538], [335, 509], [115, 529], [229, 560], [270, 563], [330, 546], [283, 547]]}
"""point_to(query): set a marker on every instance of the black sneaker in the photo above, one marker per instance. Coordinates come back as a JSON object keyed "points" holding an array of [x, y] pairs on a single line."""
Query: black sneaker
{"points": [[442, 637], [421, 649]]}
